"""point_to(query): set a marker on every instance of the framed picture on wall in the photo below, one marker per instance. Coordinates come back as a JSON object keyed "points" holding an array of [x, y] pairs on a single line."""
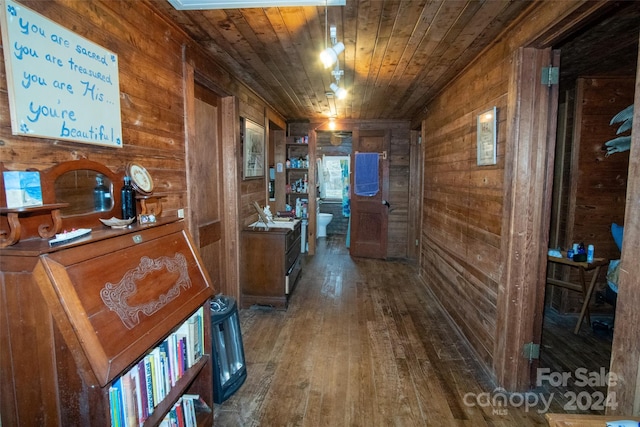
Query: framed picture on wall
{"points": [[253, 151], [486, 138]]}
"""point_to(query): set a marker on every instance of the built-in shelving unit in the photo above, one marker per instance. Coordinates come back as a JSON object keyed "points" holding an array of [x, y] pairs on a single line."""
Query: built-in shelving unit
{"points": [[297, 171]]}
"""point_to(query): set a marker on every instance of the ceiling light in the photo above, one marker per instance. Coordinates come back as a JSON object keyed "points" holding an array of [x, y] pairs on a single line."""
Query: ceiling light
{"points": [[341, 93], [329, 56]]}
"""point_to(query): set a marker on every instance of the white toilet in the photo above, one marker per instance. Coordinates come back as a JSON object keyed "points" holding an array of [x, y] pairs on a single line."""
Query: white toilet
{"points": [[323, 219]]}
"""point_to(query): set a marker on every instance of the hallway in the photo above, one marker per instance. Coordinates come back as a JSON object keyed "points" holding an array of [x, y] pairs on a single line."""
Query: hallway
{"points": [[364, 344]]}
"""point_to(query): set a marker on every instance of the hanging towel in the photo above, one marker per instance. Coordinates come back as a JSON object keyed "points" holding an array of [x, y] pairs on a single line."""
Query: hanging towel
{"points": [[366, 174], [346, 200], [320, 175]]}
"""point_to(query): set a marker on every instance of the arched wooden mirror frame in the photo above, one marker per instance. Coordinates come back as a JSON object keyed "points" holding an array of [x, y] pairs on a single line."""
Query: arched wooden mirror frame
{"points": [[38, 222], [71, 219]]}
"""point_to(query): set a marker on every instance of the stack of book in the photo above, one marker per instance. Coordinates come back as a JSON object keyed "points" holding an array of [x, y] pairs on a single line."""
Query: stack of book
{"points": [[183, 413], [134, 395]]}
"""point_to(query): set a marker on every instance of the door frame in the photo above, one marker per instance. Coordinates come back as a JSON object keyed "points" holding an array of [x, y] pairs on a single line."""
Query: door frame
{"points": [[529, 162], [512, 370], [625, 350], [229, 139]]}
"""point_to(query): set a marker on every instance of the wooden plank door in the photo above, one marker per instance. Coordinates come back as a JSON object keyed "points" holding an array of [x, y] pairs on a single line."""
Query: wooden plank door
{"points": [[204, 180], [370, 214]]}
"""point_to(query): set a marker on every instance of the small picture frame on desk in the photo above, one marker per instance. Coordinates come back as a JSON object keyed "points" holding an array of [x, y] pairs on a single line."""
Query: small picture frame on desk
{"points": [[253, 150], [486, 137]]}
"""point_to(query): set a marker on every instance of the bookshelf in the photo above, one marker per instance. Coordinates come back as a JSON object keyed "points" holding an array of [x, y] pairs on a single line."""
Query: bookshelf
{"points": [[145, 393], [90, 311]]}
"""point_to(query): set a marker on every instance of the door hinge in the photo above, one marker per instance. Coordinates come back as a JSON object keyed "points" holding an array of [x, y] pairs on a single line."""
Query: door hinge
{"points": [[550, 75], [531, 351]]}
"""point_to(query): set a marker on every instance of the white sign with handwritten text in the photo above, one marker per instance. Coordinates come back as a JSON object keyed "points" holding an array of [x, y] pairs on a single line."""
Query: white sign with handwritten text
{"points": [[61, 86]]}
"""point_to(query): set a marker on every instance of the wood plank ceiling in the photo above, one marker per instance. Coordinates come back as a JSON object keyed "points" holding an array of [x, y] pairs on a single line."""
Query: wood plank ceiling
{"points": [[398, 54]]}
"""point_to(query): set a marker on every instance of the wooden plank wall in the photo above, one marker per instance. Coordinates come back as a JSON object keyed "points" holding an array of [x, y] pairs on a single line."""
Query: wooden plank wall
{"points": [[150, 53], [151, 96], [463, 203], [597, 184]]}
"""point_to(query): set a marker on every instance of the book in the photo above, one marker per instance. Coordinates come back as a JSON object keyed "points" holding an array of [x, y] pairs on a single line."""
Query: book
{"points": [[113, 405], [135, 375], [149, 381], [166, 366], [143, 391], [189, 412], [173, 358], [183, 355], [173, 417], [118, 404], [22, 188], [198, 344], [198, 402], [194, 337], [181, 338], [154, 358], [129, 407], [180, 413], [191, 340]]}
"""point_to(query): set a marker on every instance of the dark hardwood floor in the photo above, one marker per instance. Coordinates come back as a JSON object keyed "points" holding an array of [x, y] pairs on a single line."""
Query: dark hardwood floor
{"points": [[363, 343]]}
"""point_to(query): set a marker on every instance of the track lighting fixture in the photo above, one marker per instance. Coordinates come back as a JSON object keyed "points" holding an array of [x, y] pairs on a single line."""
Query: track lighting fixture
{"points": [[329, 56], [341, 93]]}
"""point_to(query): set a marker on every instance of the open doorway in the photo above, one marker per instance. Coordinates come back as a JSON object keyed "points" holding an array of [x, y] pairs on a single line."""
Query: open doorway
{"points": [[333, 151], [597, 80]]}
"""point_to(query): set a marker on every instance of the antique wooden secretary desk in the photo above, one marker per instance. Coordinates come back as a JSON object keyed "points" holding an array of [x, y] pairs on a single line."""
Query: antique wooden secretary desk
{"points": [[76, 317]]}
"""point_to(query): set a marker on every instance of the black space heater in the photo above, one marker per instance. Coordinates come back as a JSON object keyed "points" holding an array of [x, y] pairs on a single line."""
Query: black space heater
{"points": [[229, 369]]}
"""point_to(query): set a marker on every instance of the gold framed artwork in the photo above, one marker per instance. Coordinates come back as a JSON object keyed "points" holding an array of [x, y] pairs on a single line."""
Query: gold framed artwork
{"points": [[253, 151], [486, 137]]}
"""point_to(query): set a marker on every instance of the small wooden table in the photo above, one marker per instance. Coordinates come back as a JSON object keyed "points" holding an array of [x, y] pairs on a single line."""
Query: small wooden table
{"points": [[587, 291]]}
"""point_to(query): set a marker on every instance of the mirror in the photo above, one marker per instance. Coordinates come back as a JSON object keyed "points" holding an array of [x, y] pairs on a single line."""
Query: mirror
{"points": [[86, 191]]}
